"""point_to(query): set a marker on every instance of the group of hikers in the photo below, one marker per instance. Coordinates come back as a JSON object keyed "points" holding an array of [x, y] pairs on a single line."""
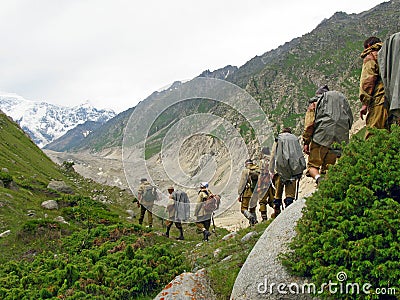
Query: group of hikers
{"points": [[327, 124]]}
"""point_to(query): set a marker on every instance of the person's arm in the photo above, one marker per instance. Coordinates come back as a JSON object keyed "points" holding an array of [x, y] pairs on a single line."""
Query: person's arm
{"points": [[368, 78], [309, 126], [243, 181], [271, 166]]}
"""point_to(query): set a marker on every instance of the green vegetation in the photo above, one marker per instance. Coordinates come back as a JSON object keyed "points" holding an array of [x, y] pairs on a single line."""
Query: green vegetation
{"points": [[96, 253], [351, 224]]}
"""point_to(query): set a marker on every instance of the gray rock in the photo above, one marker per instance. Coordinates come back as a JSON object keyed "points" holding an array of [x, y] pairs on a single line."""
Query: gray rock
{"points": [[5, 170], [1, 184], [5, 233], [228, 258], [229, 236], [50, 204], [60, 186], [60, 219], [262, 273], [130, 212], [248, 236], [190, 286]]}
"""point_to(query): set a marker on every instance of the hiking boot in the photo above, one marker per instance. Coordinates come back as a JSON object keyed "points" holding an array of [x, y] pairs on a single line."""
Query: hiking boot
{"points": [[181, 238], [288, 201], [253, 219], [277, 207], [206, 234], [264, 217], [319, 180]]}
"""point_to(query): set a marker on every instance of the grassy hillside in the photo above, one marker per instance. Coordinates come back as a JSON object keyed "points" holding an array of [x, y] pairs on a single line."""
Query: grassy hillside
{"points": [[31, 171], [99, 253]]}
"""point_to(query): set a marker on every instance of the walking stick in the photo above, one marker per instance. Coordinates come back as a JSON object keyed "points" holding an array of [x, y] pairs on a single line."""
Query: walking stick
{"points": [[212, 218], [297, 188]]}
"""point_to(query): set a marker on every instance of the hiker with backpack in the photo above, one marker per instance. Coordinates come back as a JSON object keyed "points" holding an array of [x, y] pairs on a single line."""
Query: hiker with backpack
{"points": [[202, 212], [147, 194], [178, 209], [265, 188], [389, 66], [288, 164], [372, 89], [247, 191], [327, 124]]}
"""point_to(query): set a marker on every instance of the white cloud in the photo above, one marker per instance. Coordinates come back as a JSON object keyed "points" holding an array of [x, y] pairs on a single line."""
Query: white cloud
{"points": [[117, 52]]}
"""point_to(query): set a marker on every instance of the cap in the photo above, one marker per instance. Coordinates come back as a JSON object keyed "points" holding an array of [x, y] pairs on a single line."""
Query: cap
{"points": [[170, 188], [265, 150], [143, 179], [204, 184], [248, 161], [322, 89]]}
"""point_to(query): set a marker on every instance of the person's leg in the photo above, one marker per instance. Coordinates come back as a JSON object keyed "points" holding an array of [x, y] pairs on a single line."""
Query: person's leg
{"points": [[179, 226], [150, 217], [168, 223], [263, 204], [314, 161], [290, 192], [142, 212], [377, 118], [278, 196]]}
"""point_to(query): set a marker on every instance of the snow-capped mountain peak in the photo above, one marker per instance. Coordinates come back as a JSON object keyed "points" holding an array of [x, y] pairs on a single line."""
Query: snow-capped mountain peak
{"points": [[45, 122]]}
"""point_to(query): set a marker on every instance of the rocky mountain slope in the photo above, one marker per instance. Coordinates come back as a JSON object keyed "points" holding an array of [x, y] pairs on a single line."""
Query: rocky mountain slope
{"points": [[283, 79], [46, 122]]}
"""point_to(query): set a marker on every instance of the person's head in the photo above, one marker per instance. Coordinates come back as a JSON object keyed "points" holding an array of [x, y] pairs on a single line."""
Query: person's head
{"points": [[265, 151], [287, 130], [203, 185], [372, 40], [322, 89], [143, 180], [170, 189], [248, 162]]}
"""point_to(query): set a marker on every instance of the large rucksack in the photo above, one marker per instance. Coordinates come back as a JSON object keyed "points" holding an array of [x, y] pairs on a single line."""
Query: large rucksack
{"points": [[211, 203], [149, 193], [333, 119], [252, 179], [289, 158], [389, 68]]}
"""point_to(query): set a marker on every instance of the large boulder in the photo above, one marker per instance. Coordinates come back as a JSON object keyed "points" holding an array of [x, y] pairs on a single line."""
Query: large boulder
{"points": [[190, 286], [60, 186], [50, 204], [263, 276]]}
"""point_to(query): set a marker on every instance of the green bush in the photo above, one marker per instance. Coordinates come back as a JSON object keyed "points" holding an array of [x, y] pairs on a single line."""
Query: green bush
{"points": [[5, 178], [351, 224]]}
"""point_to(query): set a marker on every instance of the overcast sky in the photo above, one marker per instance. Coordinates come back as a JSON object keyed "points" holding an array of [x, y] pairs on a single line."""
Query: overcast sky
{"points": [[114, 53]]}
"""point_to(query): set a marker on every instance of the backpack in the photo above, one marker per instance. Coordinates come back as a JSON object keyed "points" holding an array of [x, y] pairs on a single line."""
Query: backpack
{"points": [[149, 193], [289, 158], [252, 179], [212, 203], [333, 119]]}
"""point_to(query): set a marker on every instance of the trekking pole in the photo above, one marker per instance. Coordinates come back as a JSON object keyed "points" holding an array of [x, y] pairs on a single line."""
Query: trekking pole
{"points": [[212, 218], [297, 188]]}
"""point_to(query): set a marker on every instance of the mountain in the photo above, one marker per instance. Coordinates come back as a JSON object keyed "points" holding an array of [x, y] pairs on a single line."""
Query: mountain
{"points": [[46, 122], [283, 79]]}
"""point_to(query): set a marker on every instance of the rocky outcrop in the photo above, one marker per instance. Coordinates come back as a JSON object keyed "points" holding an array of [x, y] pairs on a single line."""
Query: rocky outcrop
{"points": [[60, 186], [190, 286], [262, 275], [50, 204]]}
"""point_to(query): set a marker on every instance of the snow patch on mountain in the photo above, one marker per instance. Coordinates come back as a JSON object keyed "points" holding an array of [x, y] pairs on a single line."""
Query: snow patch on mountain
{"points": [[45, 122]]}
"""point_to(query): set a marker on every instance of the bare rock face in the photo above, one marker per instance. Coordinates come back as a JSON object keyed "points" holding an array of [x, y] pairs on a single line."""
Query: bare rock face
{"points": [[191, 286]]}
